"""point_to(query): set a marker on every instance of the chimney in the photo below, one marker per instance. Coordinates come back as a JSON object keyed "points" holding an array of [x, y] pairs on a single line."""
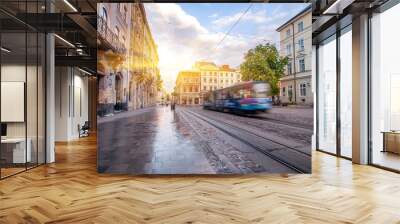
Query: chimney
{"points": [[225, 67]]}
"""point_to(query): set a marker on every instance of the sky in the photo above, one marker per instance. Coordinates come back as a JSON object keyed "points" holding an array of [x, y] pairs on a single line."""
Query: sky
{"points": [[188, 32]]}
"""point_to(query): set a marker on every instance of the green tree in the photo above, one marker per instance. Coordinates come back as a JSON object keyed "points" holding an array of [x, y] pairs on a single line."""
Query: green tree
{"points": [[263, 63]]}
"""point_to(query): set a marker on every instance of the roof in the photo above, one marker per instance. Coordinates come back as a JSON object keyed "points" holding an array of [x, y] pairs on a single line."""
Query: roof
{"points": [[205, 65], [294, 18], [187, 73], [211, 66]]}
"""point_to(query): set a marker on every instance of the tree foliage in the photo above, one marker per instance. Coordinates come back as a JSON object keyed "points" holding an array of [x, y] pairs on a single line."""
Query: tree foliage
{"points": [[263, 63]]}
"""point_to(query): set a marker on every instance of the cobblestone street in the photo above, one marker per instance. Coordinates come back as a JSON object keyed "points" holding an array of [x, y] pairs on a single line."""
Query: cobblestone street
{"points": [[191, 140]]}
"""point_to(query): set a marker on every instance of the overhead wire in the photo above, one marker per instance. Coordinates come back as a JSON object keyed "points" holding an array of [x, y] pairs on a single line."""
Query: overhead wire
{"points": [[233, 26]]}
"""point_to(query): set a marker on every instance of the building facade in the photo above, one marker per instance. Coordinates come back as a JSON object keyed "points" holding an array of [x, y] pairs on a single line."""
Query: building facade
{"points": [[143, 61], [210, 77], [187, 88], [127, 59], [216, 77], [113, 43], [296, 44]]}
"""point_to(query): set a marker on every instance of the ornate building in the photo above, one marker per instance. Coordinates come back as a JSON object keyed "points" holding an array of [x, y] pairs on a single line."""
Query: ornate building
{"points": [[216, 77], [144, 61], [205, 76], [113, 43], [127, 59]]}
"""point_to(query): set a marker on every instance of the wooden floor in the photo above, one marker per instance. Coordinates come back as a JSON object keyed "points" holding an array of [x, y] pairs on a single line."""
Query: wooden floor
{"points": [[71, 191]]}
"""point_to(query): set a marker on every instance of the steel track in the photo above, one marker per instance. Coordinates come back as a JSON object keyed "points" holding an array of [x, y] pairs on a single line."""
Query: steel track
{"points": [[212, 122]]}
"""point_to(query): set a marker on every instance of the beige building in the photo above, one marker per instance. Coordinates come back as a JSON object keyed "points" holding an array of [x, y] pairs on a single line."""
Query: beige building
{"points": [[187, 88], [143, 61], [210, 77], [296, 44], [214, 77], [113, 26], [127, 59]]}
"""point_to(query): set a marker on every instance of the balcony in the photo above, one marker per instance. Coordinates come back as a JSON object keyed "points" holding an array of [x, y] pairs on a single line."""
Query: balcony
{"points": [[108, 39]]}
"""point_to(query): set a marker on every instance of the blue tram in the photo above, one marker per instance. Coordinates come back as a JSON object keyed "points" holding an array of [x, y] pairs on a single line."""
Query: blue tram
{"points": [[246, 97]]}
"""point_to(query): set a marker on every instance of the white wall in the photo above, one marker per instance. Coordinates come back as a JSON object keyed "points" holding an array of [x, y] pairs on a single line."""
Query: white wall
{"points": [[71, 102], [34, 125]]}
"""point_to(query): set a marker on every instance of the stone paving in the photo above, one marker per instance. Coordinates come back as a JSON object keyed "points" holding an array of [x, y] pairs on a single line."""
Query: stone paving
{"points": [[303, 115]]}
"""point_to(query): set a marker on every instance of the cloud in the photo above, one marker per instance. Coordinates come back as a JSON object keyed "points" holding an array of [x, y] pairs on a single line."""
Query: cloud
{"points": [[251, 16], [182, 40], [215, 15], [261, 16]]}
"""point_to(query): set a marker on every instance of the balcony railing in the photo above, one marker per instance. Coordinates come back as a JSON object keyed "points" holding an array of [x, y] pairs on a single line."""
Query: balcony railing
{"points": [[108, 36]]}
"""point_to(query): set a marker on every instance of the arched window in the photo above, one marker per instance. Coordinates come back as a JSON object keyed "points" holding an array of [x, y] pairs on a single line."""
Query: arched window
{"points": [[104, 13]]}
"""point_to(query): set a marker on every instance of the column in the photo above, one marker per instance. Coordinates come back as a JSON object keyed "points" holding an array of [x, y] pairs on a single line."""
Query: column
{"points": [[360, 90], [50, 98]]}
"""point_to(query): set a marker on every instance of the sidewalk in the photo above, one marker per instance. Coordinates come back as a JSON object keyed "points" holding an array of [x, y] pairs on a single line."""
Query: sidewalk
{"points": [[124, 114], [299, 115]]}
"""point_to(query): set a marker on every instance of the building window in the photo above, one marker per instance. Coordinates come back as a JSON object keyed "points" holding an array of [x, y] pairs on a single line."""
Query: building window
{"points": [[288, 49], [117, 31], [385, 88], [104, 14], [345, 82], [204, 87], [302, 66], [289, 68], [288, 32], [303, 90], [301, 44], [126, 14], [283, 91], [205, 80], [326, 106], [300, 26]]}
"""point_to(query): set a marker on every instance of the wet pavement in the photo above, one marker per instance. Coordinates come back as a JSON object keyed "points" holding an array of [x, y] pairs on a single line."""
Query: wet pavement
{"points": [[160, 141], [152, 142]]}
